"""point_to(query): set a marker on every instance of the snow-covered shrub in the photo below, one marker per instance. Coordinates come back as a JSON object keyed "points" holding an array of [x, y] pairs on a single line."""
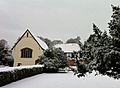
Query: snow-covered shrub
{"points": [[11, 74], [53, 59]]}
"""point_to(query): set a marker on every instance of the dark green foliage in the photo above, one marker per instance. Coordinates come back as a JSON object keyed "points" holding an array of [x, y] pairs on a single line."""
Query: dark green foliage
{"points": [[114, 55], [96, 48], [54, 42], [114, 24], [102, 50], [75, 40], [53, 59], [6, 57], [11, 76]]}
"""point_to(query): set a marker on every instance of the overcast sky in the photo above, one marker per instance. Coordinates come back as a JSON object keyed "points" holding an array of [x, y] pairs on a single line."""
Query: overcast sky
{"points": [[53, 19]]}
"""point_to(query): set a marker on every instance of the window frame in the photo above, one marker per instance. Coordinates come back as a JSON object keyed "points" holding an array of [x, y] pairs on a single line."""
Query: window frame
{"points": [[26, 53]]}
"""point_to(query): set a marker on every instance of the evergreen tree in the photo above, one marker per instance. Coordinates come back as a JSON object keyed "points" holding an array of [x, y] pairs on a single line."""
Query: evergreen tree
{"points": [[104, 51], [96, 48], [5, 54], [114, 26], [114, 55]]}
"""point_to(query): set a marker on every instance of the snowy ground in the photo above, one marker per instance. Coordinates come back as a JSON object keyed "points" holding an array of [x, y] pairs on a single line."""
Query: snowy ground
{"points": [[65, 80]]}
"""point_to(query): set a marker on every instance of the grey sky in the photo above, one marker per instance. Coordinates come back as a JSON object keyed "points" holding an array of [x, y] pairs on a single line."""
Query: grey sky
{"points": [[54, 19]]}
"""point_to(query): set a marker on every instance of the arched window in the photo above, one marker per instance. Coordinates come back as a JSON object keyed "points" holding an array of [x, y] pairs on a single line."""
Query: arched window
{"points": [[26, 53]]}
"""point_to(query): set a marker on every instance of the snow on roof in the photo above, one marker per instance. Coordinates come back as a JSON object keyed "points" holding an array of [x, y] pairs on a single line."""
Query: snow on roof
{"points": [[70, 47], [41, 42]]}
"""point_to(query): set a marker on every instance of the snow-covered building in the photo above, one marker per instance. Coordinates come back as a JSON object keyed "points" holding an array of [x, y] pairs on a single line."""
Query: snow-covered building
{"points": [[69, 50], [27, 49]]}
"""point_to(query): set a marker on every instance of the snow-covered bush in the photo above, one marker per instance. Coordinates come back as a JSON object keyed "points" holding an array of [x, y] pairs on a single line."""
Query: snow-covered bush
{"points": [[53, 59], [11, 74], [95, 48]]}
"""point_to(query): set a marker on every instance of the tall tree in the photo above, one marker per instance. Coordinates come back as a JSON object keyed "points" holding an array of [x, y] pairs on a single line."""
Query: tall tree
{"points": [[5, 54], [96, 50], [104, 51], [114, 55]]}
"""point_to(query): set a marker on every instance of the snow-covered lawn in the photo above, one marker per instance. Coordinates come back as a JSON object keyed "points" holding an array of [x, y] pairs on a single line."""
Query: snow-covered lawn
{"points": [[65, 80]]}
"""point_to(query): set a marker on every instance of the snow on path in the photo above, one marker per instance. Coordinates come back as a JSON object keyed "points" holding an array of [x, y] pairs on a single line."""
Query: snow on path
{"points": [[65, 80]]}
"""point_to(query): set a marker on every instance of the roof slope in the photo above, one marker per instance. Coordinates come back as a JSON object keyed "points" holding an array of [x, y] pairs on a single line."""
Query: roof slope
{"points": [[41, 43], [70, 47]]}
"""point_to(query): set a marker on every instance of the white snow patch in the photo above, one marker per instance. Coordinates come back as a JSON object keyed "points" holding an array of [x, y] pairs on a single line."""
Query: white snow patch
{"points": [[65, 80]]}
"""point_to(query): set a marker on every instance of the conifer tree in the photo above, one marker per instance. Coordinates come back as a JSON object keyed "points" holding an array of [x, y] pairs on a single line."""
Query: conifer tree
{"points": [[103, 51]]}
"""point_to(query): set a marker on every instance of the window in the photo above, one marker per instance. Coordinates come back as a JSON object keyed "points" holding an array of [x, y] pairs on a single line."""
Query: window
{"points": [[26, 53]]}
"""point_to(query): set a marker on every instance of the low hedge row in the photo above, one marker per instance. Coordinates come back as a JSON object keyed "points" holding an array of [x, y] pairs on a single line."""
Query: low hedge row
{"points": [[7, 77]]}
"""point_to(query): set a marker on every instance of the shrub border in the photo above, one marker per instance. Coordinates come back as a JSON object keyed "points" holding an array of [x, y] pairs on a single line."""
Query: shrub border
{"points": [[18, 73]]}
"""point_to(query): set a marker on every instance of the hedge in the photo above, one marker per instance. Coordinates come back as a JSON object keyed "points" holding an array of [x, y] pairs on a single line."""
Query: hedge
{"points": [[16, 73]]}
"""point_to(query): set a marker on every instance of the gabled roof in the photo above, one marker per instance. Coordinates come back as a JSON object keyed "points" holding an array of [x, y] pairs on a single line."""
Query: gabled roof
{"points": [[70, 47], [41, 43]]}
